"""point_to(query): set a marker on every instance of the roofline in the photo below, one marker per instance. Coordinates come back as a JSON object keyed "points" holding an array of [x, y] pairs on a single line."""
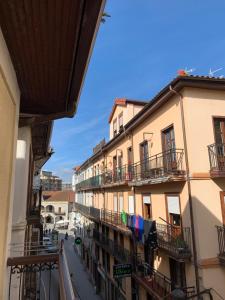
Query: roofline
{"points": [[177, 84], [124, 102]]}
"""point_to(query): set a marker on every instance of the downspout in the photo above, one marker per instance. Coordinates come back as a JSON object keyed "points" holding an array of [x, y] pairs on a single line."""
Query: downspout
{"points": [[189, 190]]}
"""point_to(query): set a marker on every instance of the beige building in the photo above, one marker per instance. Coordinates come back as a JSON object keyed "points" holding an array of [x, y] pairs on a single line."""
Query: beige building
{"points": [[50, 182], [154, 195], [57, 209], [40, 47]]}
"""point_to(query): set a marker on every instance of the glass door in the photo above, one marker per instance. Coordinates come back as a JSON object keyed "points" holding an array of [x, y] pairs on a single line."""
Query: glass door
{"points": [[168, 146]]}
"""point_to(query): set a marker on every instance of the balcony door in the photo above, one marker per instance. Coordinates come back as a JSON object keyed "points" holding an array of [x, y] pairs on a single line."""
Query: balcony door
{"points": [[144, 155], [129, 163], [173, 214], [168, 147], [120, 167], [219, 131], [177, 273], [222, 198]]}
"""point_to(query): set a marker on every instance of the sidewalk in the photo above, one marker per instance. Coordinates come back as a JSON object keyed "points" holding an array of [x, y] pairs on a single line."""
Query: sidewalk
{"points": [[80, 277]]}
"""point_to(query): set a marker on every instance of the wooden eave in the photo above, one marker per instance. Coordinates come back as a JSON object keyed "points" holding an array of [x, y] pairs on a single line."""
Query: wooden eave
{"points": [[50, 43], [41, 135]]}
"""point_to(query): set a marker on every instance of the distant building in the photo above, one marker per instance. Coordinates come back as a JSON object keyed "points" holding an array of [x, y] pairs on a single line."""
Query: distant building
{"points": [[50, 182], [66, 186], [57, 209]]}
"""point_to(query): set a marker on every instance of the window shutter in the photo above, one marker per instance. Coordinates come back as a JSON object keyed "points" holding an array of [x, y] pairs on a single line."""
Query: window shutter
{"points": [[173, 205], [131, 204]]}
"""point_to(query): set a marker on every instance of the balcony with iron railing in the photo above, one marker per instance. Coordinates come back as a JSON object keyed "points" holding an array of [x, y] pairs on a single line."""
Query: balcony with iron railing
{"points": [[88, 211], [176, 241], [120, 253], [34, 273], [221, 242], [164, 166], [159, 285], [217, 160]]}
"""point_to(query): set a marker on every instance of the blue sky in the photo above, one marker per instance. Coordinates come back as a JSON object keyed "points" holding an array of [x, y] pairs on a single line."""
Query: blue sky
{"points": [[137, 52]]}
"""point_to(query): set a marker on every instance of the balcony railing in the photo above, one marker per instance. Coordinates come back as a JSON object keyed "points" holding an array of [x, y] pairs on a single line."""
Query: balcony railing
{"points": [[61, 213], [156, 281], [92, 182], [114, 218], [217, 159], [160, 165], [39, 275], [168, 163], [83, 209], [88, 211], [221, 241], [159, 284], [175, 241], [120, 253]]}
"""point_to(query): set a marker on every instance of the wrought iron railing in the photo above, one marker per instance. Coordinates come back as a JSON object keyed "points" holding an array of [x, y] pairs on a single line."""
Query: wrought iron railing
{"points": [[175, 240], [120, 253], [221, 240], [160, 165], [88, 211], [117, 175], [112, 217], [37, 274], [83, 209], [217, 157], [95, 213], [158, 282], [92, 182]]}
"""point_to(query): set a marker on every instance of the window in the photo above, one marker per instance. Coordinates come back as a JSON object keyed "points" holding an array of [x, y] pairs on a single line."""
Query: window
{"points": [[168, 139], [121, 202], [144, 158], [114, 127], [59, 210], [168, 147], [173, 212], [120, 119], [131, 204], [222, 199], [147, 211], [115, 201]]}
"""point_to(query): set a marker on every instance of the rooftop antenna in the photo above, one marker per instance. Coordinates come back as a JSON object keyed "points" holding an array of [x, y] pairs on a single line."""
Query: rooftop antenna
{"points": [[190, 70], [211, 72]]}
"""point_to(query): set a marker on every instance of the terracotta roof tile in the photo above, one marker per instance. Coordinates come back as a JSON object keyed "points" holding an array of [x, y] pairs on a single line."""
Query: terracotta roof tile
{"points": [[68, 196]]}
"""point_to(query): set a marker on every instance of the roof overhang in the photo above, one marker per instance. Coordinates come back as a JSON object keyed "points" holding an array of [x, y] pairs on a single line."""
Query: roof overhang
{"points": [[50, 43]]}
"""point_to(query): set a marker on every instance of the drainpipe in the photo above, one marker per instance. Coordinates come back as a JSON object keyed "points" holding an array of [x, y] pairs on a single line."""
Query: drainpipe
{"points": [[189, 190]]}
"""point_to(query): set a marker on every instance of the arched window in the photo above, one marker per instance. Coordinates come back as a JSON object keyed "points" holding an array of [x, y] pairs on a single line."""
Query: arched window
{"points": [[49, 208]]}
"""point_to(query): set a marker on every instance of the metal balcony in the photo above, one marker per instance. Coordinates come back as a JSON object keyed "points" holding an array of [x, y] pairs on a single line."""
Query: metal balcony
{"points": [[221, 242], [88, 211], [120, 253], [90, 183], [39, 275], [164, 166], [217, 160], [157, 284], [175, 241]]}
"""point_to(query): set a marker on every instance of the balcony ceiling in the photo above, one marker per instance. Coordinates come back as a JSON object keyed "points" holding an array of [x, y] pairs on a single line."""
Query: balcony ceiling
{"points": [[50, 43], [41, 134]]}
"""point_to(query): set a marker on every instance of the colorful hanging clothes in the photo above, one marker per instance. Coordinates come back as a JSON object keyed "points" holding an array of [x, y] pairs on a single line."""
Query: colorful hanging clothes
{"points": [[124, 217], [140, 228]]}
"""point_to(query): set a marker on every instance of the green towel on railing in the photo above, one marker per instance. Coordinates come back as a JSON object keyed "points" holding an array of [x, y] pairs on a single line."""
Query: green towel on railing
{"points": [[124, 217]]}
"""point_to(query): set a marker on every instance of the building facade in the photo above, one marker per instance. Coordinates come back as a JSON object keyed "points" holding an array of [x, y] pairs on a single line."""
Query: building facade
{"points": [[57, 209], [50, 182], [153, 195]]}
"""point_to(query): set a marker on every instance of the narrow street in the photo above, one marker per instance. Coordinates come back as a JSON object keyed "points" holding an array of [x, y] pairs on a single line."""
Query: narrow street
{"points": [[80, 278]]}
